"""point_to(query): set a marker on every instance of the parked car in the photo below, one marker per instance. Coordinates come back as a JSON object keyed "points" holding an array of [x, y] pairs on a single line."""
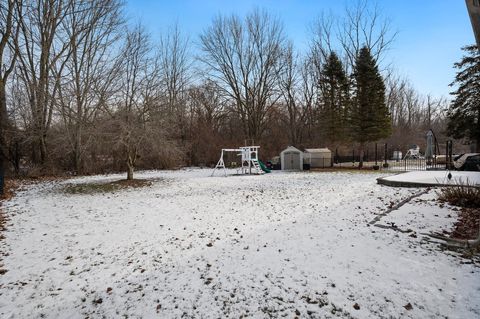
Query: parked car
{"points": [[269, 164], [274, 163], [467, 162]]}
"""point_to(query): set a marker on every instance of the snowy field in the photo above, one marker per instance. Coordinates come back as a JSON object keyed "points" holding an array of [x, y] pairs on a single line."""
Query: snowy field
{"points": [[190, 245]]}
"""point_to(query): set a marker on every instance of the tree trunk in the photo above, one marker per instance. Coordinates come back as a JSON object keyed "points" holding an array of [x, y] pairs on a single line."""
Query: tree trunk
{"points": [[130, 166], [3, 125], [15, 157], [39, 148], [3, 107], [77, 151], [43, 148], [361, 153], [2, 174], [129, 172], [78, 163]]}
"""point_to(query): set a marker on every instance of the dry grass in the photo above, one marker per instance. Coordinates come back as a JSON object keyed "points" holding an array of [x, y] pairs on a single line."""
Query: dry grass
{"points": [[10, 186], [94, 188], [467, 225]]}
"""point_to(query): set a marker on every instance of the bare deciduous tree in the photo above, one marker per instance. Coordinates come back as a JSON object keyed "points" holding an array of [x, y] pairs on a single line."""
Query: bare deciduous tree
{"points": [[309, 96], [243, 57], [139, 81], [9, 11], [93, 33], [8, 54], [208, 111], [42, 47], [412, 113], [323, 38], [364, 25], [297, 88], [175, 63]]}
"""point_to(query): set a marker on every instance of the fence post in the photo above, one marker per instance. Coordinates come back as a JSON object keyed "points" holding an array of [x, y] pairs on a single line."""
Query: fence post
{"points": [[386, 153], [446, 155], [353, 157], [449, 154]]}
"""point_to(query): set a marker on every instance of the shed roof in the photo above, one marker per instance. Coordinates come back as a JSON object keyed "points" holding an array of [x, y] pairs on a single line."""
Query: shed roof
{"points": [[317, 150], [291, 149]]}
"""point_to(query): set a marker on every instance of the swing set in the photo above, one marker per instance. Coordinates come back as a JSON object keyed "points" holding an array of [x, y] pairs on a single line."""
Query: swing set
{"points": [[249, 159]]}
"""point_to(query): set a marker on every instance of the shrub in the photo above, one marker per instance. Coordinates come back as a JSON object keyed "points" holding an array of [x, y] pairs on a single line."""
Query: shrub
{"points": [[462, 194]]}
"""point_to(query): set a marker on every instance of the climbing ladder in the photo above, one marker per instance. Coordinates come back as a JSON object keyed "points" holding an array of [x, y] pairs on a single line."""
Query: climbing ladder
{"points": [[256, 165]]}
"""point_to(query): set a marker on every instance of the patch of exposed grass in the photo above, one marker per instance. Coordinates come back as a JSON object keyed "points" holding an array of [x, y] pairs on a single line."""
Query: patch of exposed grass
{"points": [[11, 185], [95, 188]]}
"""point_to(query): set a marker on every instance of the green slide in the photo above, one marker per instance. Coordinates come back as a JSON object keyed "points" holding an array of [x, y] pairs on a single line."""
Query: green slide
{"points": [[263, 167]]}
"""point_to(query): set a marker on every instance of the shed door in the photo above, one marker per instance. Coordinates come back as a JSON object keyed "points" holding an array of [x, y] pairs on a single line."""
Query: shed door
{"points": [[292, 160]]}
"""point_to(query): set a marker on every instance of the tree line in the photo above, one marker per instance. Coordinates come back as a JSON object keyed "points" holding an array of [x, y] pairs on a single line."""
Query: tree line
{"points": [[84, 90]]}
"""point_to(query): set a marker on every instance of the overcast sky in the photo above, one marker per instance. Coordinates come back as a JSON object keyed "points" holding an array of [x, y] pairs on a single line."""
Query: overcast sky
{"points": [[430, 32]]}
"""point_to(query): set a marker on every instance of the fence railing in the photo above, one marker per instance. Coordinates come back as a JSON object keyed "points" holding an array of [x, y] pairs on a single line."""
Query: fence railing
{"points": [[409, 164], [385, 158]]}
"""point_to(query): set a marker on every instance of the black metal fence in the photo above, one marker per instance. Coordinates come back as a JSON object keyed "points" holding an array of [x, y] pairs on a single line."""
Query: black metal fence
{"points": [[383, 157], [413, 164]]}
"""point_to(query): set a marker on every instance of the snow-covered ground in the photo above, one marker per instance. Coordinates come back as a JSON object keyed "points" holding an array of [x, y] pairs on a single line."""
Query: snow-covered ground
{"points": [[190, 245]]}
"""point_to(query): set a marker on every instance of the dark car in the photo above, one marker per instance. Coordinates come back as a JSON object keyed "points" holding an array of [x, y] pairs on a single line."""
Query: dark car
{"points": [[274, 163], [468, 162]]}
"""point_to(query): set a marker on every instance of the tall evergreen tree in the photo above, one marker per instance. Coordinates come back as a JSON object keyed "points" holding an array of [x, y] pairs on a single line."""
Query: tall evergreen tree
{"points": [[464, 112], [333, 84], [369, 118]]}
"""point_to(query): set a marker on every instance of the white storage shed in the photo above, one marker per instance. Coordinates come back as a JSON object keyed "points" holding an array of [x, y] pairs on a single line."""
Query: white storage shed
{"points": [[318, 157], [291, 158]]}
